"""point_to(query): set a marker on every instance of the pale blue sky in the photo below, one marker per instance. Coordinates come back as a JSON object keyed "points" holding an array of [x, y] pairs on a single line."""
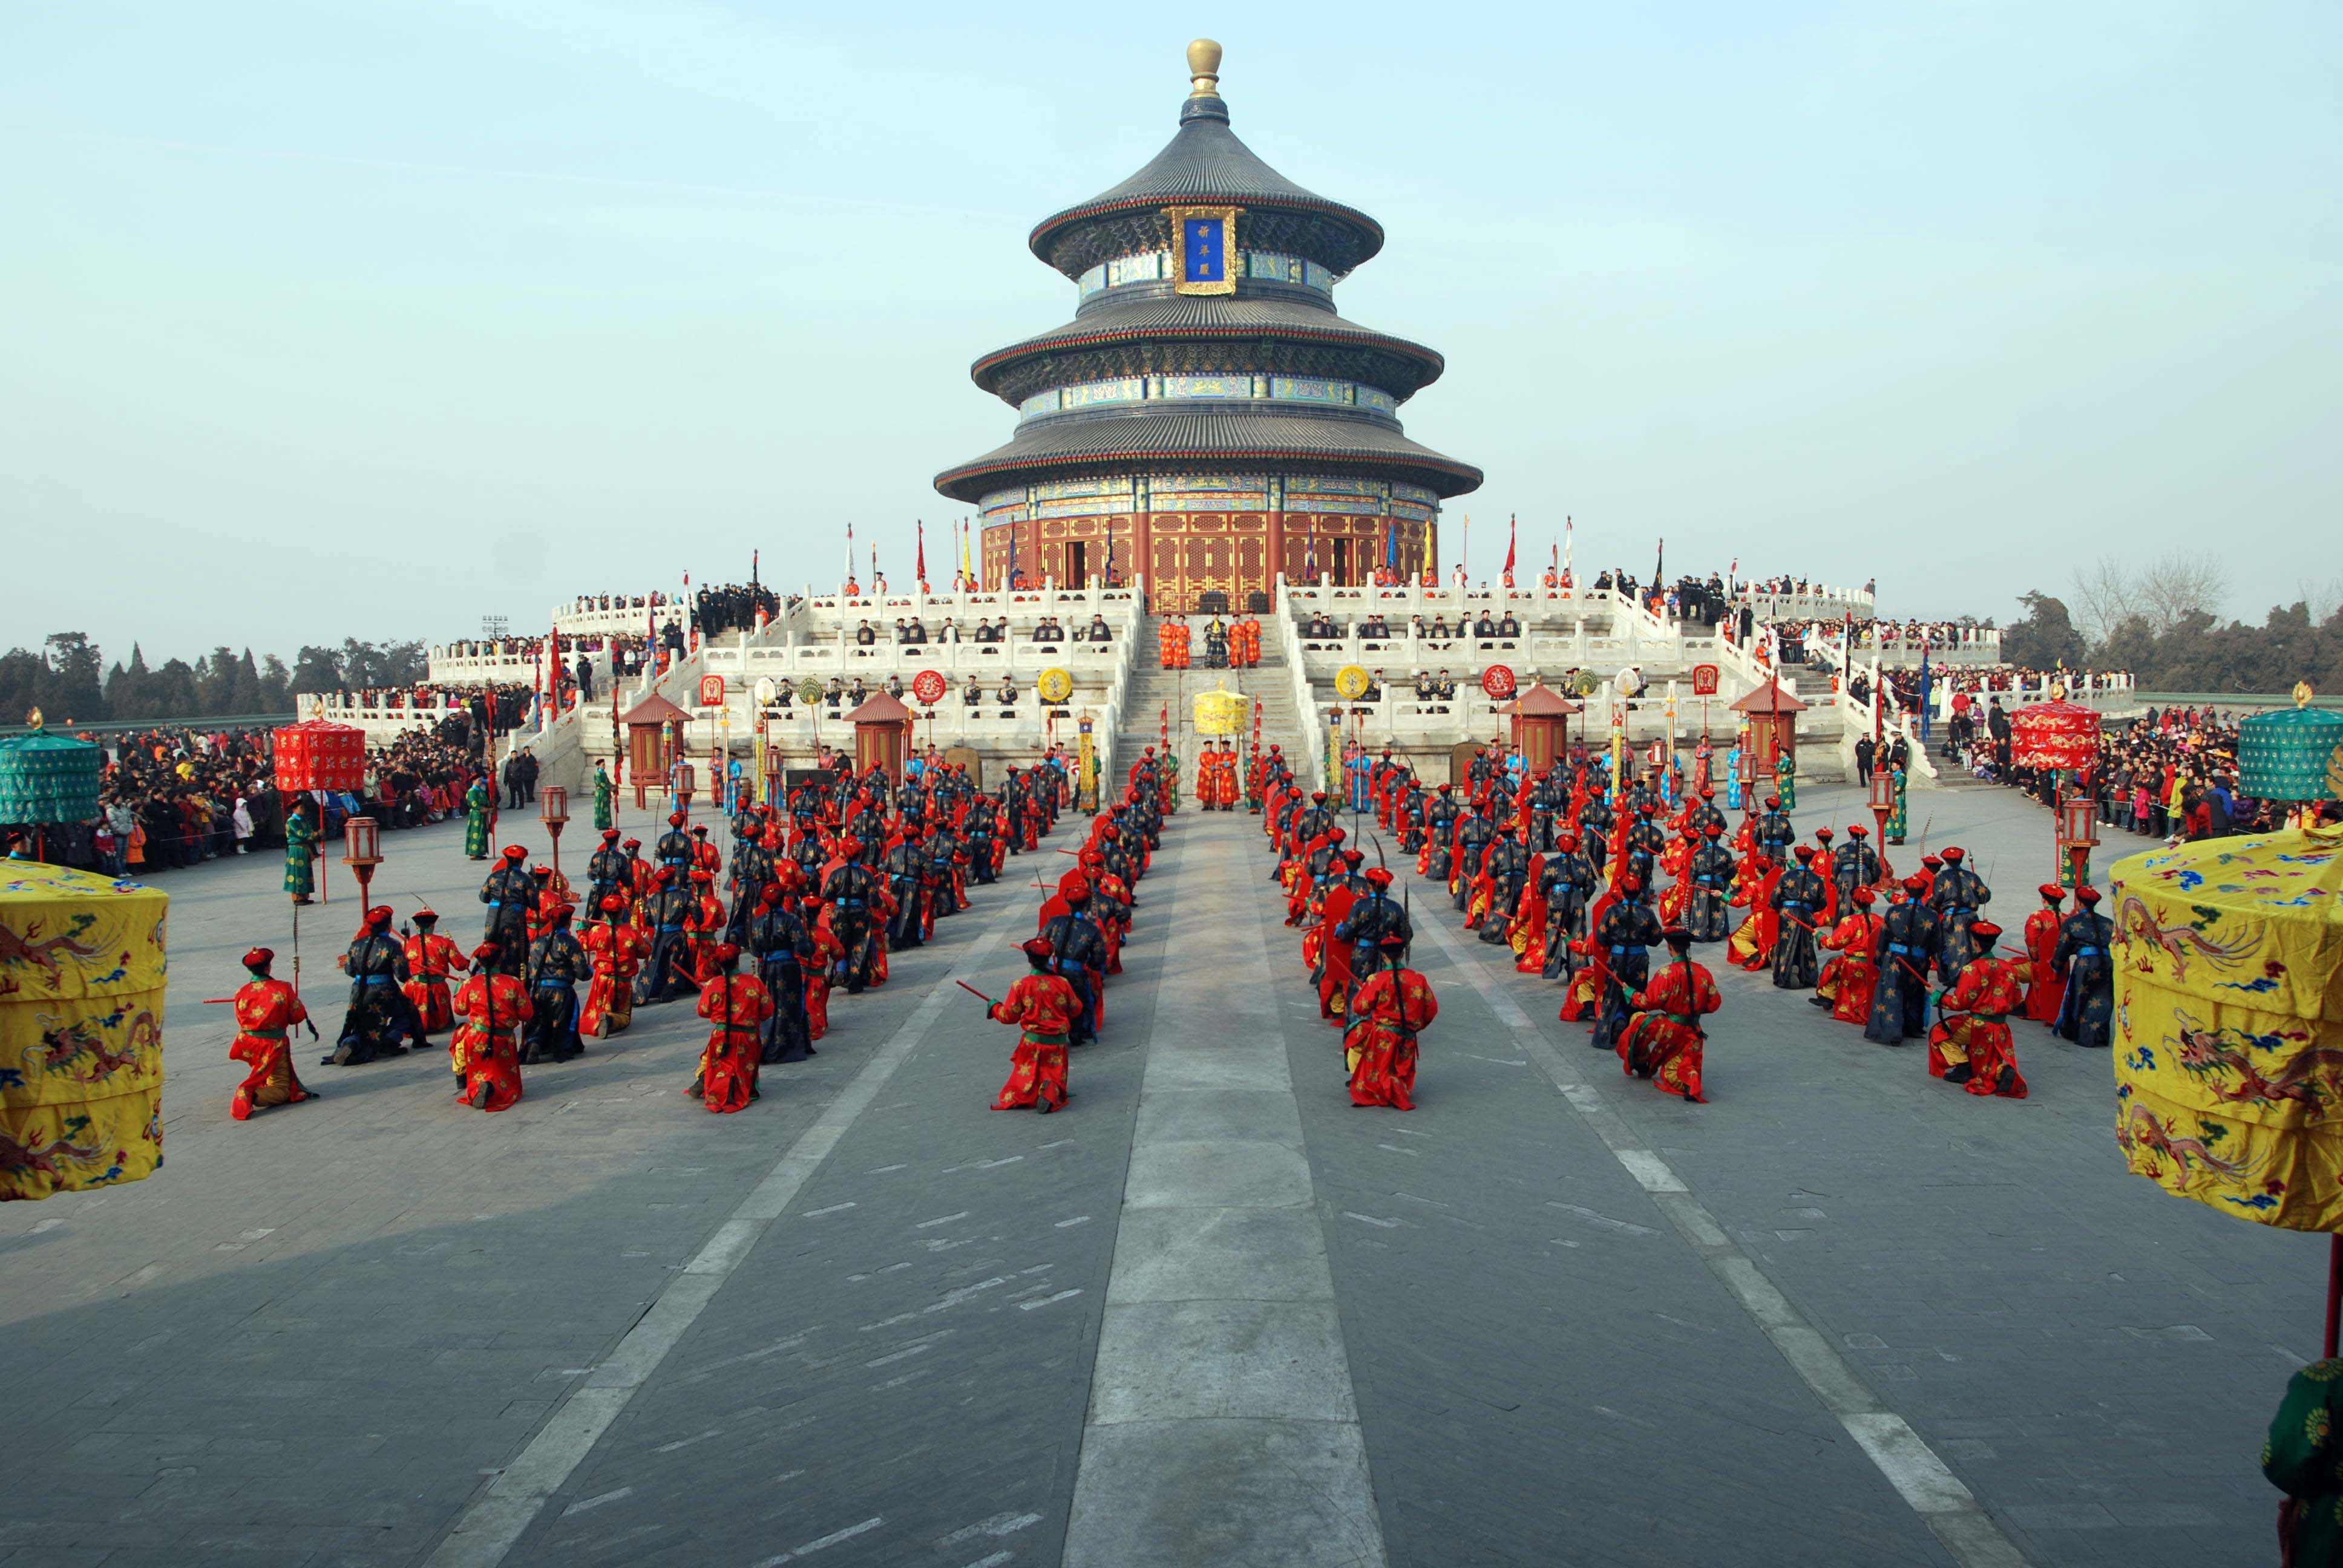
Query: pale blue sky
{"points": [[332, 319]]}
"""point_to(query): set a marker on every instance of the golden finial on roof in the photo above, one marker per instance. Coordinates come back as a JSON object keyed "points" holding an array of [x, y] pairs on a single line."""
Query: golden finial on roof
{"points": [[1204, 69], [2303, 694]]}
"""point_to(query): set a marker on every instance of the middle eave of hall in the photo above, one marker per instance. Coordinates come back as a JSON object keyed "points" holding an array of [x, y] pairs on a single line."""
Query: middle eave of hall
{"points": [[1157, 332]]}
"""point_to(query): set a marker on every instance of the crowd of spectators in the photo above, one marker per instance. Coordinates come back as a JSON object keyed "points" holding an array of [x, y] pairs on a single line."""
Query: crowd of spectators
{"points": [[2169, 774], [497, 707], [586, 601], [175, 797], [733, 607]]}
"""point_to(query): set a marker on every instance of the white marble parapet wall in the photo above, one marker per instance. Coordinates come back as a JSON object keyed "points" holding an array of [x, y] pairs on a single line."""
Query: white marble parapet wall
{"points": [[483, 663], [835, 616], [586, 616]]}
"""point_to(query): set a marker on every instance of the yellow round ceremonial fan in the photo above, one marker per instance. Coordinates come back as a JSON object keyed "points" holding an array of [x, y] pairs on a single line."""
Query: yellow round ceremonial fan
{"points": [[1351, 682], [1055, 684]]}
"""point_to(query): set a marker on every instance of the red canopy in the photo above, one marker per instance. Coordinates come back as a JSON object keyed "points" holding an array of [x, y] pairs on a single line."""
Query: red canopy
{"points": [[2059, 734], [320, 755]]}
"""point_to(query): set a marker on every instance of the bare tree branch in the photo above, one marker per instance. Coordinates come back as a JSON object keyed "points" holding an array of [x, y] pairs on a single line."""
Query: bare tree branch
{"points": [[2105, 596], [2178, 584]]}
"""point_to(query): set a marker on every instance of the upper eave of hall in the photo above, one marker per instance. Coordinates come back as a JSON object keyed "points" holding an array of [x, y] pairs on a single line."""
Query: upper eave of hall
{"points": [[1204, 164]]}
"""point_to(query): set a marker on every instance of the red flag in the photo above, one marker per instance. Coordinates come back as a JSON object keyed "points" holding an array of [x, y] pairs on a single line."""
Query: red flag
{"points": [[1511, 528], [920, 567]]}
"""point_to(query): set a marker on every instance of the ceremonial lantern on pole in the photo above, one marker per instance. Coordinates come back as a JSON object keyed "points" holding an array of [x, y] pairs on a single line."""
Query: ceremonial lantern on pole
{"points": [[553, 810], [47, 779], [687, 784], [2226, 958], [362, 851], [2064, 737], [1883, 802], [99, 997], [1746, 770], [312, 758]]}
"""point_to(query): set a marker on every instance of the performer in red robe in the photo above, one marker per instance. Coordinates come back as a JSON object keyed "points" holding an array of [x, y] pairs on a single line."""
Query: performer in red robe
{"points": [[1041, 1006], [2045, 987], [431, 957], [1224, 781], [1333, 907], [1663, 1038], [1970, 1045], [737, 1005], [1394, 1005], [266, 1012], [490, 1007], [1752, 943], [1847, 981], [703, 928], [1676, 861], [828, 951], [617, 951], [1582, 993], [1526, 935]]}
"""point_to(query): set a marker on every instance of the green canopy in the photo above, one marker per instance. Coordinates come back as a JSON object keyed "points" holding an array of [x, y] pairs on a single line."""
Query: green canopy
{"points": [[47, 777], [2292, 753]]}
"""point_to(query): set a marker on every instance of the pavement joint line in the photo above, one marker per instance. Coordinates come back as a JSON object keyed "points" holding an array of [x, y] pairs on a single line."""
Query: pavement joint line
{"points": [[1138, 1451], [489, 1529], [1919, 1475]]}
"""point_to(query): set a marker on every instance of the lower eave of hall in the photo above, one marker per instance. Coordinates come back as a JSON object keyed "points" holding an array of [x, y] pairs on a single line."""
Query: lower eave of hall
{"points": [[1193, 442]]}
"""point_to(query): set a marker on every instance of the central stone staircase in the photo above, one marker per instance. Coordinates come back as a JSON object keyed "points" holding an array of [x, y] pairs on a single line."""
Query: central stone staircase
{"points": [[1153, 688]]}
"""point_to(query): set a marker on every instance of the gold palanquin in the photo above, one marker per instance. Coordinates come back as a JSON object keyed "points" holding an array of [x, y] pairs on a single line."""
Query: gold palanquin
{"points": [[81, 1029], [2228, 1047]]}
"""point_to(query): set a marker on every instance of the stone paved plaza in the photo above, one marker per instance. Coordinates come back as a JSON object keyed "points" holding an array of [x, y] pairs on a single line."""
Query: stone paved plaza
{"points": [[1843, 1315]]}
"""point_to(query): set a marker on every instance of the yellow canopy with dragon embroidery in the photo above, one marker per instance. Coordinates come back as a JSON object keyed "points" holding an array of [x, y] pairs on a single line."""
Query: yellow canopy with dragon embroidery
{"points": [[2228, 1049], [81, 1029]]}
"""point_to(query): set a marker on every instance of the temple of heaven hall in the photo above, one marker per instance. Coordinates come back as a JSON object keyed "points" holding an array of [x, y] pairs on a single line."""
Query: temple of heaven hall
{"points": [[1207, 418]]}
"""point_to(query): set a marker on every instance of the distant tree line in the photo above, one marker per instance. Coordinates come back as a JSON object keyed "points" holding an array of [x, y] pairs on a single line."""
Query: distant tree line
{"points": [[2159, 623], [69, 681]]}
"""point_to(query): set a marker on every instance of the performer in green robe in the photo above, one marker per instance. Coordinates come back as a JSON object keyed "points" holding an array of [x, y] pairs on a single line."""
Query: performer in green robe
{"points": [[2300, 1458], [1895, 817], [605, 793], [300, 850], [1785, 780], [476, 801]]}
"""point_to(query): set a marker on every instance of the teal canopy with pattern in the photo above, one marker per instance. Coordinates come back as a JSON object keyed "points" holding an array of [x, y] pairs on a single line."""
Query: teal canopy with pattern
{"points": [[47, 777], [2291, 754]]}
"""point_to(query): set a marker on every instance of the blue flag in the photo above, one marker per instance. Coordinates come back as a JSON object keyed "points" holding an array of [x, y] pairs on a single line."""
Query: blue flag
{"points": [[1924, 711]]}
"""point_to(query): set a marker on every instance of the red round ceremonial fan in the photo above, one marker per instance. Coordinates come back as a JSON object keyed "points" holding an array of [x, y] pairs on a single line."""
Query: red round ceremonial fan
{"points": [[320, 755], [1497, 680], [929, 687], [2054, 735]]}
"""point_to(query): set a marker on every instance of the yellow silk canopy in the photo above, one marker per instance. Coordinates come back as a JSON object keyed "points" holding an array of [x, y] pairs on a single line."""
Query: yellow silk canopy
{"points": [[81, 1029], [2229, 1045]]}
